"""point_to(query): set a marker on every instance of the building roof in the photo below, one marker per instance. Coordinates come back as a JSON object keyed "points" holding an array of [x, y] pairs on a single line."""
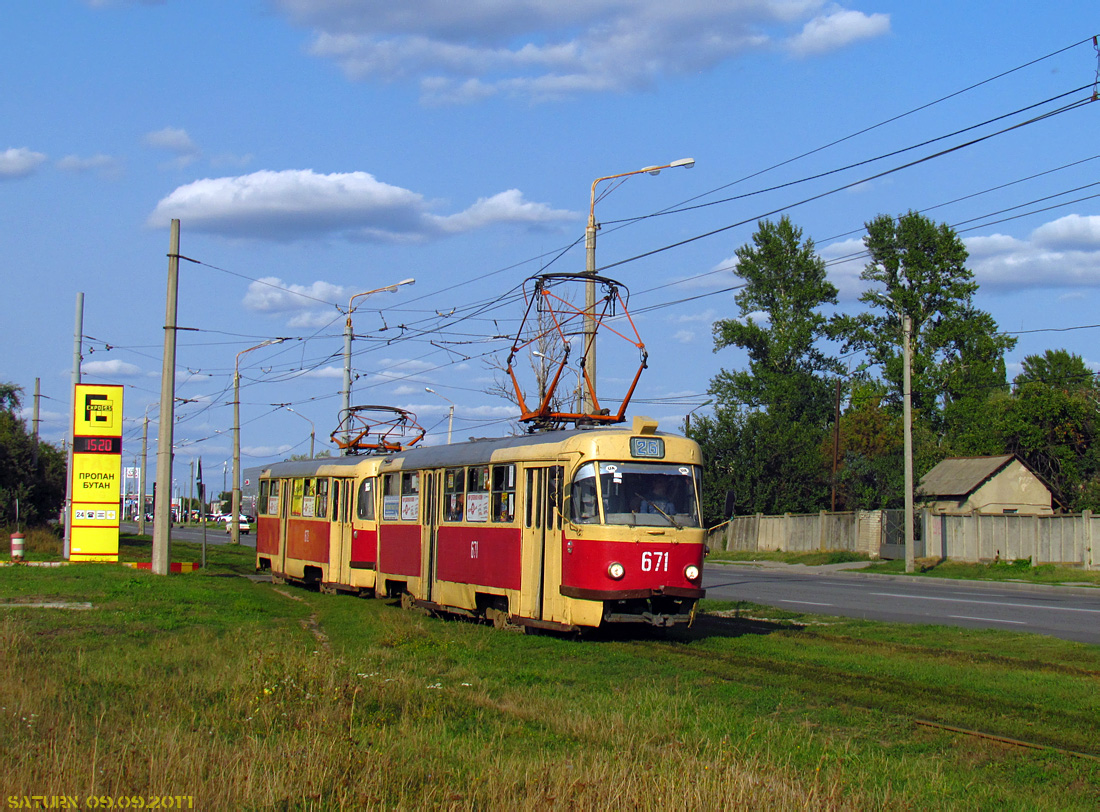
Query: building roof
{"points": [[961, 476]]}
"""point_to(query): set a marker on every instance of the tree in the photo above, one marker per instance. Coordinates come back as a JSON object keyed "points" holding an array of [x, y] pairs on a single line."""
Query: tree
{"points": [[1058, 368], [783, 402], [1055, 431], [32, 474], [919, 269]]}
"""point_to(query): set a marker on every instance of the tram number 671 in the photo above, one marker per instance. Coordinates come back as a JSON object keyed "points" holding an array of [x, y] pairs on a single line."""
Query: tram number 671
{"points": [[655, 562]]}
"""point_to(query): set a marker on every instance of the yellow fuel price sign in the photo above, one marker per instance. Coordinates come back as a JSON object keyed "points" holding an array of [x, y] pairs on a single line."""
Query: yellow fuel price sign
{"points": [[97, 473]]}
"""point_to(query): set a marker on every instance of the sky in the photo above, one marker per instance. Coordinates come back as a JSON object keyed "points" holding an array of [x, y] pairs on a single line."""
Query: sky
{"points": [[316, 149]]}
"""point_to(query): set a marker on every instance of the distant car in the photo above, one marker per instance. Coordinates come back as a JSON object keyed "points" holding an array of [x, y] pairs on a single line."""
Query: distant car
{"points": [[245, 527]]}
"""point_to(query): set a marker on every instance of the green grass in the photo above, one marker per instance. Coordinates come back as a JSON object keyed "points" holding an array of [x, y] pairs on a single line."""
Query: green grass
{"points": [[1021, 571], [1017, 570], [249, 695], [813, 559]]}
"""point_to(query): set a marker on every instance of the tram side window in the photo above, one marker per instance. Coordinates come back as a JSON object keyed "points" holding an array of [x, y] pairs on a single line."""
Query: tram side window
{"points": [[584, 507], [297, 497], [454, 494], [504, 493], [477, 494], [364, 507], [265, 486], [271, 504], [320, 499], [554, 492], [309, 495], [410, 496], [391, 497]]}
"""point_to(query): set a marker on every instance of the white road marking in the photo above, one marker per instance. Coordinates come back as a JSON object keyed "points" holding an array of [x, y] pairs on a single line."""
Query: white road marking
{"points": [[807, 603], [987, 603], [987, 619]]}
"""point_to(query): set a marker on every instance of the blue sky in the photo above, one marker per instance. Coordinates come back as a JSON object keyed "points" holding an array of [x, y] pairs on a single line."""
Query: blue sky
{"points": [[314, 149]]}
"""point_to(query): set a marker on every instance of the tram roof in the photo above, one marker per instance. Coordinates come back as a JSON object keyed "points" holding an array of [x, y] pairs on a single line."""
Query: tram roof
{"points": [[479, 451], [482, 451]]}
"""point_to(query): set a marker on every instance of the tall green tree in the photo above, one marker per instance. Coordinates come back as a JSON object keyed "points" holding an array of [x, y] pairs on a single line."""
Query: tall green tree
{"points": [[783, 402], [32, 474], [918, 268], [1058, 368], [1055, 432]]}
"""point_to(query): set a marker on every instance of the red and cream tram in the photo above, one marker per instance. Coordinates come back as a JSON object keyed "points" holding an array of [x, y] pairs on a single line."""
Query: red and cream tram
{"points": [[558, 530]]}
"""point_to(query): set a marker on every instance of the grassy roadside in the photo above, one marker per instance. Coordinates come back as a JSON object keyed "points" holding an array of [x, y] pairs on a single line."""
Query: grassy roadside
{"points": [[247, 695], [1019, 571]]}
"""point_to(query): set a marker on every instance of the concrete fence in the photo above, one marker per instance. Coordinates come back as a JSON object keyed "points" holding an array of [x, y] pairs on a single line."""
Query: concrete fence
{"points": [[1065, 539]]}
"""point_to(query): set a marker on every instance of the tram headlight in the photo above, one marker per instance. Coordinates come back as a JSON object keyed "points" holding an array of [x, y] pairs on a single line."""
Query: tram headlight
{"points": [[691, 572], [616, 571]]}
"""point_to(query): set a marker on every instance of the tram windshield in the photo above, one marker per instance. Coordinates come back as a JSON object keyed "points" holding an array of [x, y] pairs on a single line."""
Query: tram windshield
{"points": [[636, 493]]}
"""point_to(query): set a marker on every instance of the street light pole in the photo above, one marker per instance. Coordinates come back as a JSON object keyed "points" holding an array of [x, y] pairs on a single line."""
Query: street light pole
{"points": [[235, 519], [312, 429], [450, 414], [347, 351], [588, 361], [144, 461]]}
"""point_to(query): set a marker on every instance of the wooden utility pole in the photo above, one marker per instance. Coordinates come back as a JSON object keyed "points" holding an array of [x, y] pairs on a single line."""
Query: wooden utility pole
{"points": [[162, 509]]}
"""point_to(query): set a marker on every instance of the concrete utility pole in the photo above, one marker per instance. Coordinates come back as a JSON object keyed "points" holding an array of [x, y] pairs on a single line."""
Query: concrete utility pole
{"points": [[144, 464], [907, 416], [78, 338], [35, 421], [162, 510]]}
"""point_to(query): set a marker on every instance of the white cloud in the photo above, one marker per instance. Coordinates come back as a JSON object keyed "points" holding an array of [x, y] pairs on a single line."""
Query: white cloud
{"points": [[110, 369], [296, 204], [835, 30], [463, 52], [1063, 253], [684, 336], [105, 164], [325, 372], [176, 141], [845, 261], [18, 162], [272, 295]]}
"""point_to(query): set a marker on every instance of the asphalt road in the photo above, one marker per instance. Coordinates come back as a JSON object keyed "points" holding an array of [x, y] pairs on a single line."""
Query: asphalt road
{"points": [[1071, 613], [215, 533]]}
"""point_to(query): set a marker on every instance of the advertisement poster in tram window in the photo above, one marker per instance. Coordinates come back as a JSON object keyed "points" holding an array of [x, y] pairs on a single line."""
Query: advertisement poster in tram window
{"points": [[410, 507], [477, 507], [391, 508]]}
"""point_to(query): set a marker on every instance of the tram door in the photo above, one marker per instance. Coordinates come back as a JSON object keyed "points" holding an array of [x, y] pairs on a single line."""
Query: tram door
{"points": [[339, 559], [428, 485], [284, 512], [541, 538]]}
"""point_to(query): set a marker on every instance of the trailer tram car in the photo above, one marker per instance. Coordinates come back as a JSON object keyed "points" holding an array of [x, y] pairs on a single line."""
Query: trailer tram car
{"points": [[316, 523], [558, 530]]}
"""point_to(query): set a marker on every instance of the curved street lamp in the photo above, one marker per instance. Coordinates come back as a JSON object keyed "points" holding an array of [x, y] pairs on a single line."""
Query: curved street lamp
{"points": [[347, 349], [450, 414], [235, 519], [588, 361], [312, 429]]}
